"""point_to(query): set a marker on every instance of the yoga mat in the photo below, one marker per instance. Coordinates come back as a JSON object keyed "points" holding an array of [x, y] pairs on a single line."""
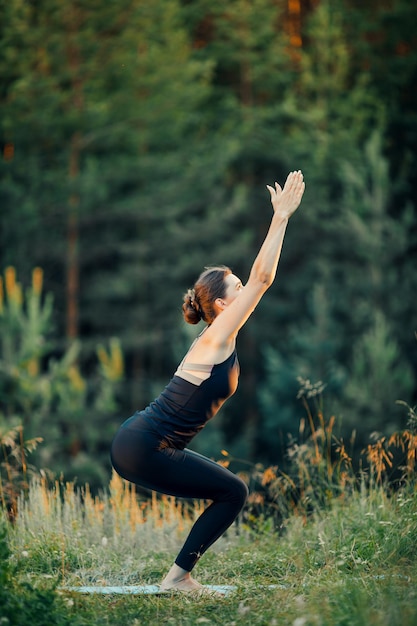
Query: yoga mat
{"points": [[140, 589]]}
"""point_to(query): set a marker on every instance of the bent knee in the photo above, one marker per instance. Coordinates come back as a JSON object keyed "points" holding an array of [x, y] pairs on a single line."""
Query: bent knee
{"points": [[239, 491], [244, 490]]}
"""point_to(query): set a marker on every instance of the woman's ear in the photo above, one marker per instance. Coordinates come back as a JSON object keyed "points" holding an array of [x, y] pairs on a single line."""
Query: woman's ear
{"points": [[221, 304]]}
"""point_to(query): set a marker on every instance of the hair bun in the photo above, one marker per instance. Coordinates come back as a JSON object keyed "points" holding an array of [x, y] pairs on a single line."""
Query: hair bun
{"points": [[193, 300], [191, 308]]}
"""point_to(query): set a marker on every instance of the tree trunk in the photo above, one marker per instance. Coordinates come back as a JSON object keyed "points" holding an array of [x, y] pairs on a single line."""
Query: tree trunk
{"points": [[72, 245], [76, 102]]}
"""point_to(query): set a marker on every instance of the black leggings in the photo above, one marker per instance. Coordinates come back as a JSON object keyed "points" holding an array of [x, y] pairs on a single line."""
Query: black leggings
{"points": [[137, 455]]}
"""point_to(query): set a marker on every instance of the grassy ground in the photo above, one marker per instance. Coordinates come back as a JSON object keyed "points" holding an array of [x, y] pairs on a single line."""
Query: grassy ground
{"points": [[330, 548], [352, 563]]}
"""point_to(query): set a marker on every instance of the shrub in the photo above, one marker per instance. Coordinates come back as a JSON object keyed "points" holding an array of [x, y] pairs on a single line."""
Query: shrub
{"points": [[20, 603]]}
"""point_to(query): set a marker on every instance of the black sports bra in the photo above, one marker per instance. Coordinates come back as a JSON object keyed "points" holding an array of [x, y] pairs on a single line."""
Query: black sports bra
{"points": [[187, 402]]}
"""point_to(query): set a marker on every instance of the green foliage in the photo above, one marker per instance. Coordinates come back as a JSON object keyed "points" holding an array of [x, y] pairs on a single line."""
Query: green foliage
{"points": [[4, 569], [321, 467], [349, 562], [365, 378], [47, 398], [412, 417], [137, 141], [15, 472], [21, 604], [376, 360]]}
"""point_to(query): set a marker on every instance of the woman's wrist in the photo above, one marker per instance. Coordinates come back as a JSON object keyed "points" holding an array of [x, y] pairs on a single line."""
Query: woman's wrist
{"points": [[280, 219]]}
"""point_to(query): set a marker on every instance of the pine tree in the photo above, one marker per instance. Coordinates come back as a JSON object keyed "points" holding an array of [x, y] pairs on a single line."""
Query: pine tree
{"points": [[45, 397], [137, 141], [377, 379]]}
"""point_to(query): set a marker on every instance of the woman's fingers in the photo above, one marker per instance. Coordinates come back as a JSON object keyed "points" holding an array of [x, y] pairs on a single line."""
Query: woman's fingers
{"points": [[288, 199], [274, 191], [294, 178], [296, 184]]}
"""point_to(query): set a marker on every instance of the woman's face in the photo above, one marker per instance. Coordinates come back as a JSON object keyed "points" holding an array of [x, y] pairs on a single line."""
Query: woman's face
{"points": [[233, 288]]}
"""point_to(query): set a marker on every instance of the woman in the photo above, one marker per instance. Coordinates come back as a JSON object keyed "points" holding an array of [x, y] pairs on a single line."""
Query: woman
{"points": [[149, 448]]}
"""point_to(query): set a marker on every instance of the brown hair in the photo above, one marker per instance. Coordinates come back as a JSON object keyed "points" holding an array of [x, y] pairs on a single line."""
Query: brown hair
{"points": [[199, 301]]}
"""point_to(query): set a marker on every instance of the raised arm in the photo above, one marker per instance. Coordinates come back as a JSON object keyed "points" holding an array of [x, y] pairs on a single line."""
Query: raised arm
{"points": [[233, 316]]}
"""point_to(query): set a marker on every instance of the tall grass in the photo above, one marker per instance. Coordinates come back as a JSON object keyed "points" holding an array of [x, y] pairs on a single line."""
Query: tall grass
{"points": [[320, 472], [350, 563], [338, 545], [105, 538]]}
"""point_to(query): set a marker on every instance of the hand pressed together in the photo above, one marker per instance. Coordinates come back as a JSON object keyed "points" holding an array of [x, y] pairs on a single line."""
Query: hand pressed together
{"points": [[286, 201]]}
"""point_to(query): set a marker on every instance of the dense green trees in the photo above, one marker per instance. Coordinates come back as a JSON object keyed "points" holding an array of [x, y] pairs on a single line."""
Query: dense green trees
{"points": [[137, 141], [47, 394]]}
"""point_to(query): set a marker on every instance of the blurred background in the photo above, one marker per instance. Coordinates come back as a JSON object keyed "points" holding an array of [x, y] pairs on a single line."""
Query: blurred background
{"points": [[137, 139]]}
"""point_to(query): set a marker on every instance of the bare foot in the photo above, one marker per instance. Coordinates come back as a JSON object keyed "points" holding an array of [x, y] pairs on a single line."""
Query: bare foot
{"points": [[191, 587], [186, 584], [179, 579]]}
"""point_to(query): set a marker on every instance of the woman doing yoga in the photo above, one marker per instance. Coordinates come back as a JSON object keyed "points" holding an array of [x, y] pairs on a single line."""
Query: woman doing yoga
{"points": [[150, 450]]}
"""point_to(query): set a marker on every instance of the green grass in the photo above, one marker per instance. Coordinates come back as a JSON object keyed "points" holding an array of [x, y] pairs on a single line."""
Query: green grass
{"points": [[344, 554], [351, 564]]}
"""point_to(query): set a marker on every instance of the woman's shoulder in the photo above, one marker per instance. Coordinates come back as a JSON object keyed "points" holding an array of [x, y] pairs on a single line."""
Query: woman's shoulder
{"points": [[207, 349]]}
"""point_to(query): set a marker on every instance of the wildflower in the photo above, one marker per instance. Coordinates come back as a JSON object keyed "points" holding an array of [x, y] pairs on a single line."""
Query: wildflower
{"points": [[308, 389], [77, 382], [256, 498], [268, 476], [37, 280]]}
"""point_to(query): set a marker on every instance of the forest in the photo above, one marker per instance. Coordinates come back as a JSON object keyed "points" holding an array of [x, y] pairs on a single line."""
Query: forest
{"points": [[137, 139]]}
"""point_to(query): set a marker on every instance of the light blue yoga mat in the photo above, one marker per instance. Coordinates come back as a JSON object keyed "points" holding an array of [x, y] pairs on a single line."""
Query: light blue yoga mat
{"points": [[140, 589], [150, 589]]}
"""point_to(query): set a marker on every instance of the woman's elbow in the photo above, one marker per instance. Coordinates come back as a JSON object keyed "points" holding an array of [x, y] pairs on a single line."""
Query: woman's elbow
{"points": [[267, 281], [264, 279]]}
